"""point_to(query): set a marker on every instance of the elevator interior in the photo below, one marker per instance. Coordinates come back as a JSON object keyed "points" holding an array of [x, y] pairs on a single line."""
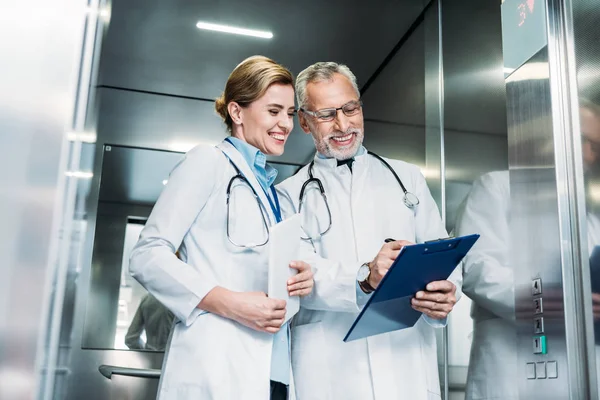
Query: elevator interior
{"points": [[437, 93]]}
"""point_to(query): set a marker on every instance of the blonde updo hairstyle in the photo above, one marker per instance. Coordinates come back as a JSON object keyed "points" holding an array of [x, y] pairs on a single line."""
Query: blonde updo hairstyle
{"points": [[248, 82]]}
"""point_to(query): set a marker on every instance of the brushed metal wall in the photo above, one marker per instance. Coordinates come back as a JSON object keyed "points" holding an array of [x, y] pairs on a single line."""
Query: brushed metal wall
{"points": [[37, 109]]}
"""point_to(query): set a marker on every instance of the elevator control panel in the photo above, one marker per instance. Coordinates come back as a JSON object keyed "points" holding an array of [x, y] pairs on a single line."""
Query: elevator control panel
{"points": [[539, 369]]}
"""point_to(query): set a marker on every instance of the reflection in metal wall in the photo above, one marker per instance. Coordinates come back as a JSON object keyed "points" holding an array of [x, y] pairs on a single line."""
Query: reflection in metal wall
{"points": [[586, 33], [475, 143], [37, 109]]}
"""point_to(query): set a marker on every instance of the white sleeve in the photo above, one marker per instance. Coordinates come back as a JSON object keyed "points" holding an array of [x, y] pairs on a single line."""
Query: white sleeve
{"points": [[177, 285]]}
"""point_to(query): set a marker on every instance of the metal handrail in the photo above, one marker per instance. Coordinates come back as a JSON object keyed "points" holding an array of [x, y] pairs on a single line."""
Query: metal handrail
{"points": [[109, 370]]}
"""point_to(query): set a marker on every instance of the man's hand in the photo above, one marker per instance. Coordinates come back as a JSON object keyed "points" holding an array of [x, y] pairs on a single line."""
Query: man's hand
{"points": [[384, 260], [437, 300], [302, 283]]}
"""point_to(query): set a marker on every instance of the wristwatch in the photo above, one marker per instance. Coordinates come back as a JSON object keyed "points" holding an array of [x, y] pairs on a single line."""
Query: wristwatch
{"points": [[363, 278]]}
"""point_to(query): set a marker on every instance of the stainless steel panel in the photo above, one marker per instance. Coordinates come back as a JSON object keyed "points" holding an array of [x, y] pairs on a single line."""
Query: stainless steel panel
{"points": [[398, 93], [583, 62], [171, 123], [155, 46], [475, 143], [535, 225], [36, 111]]}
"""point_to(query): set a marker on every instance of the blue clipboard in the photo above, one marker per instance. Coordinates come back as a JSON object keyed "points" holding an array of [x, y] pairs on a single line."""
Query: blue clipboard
{"points": [[389, 307]]}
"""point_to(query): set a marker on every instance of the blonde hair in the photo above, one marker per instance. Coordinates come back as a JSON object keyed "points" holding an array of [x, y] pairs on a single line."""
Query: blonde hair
{"points": [[248, 82]]}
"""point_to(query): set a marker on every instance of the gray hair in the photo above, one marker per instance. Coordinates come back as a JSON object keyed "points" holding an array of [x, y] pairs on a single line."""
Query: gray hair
{"points": [[318, 72]]}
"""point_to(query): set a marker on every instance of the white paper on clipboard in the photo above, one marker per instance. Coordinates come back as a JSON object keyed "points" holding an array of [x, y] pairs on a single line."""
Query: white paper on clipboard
{"points": [[284, 242]]}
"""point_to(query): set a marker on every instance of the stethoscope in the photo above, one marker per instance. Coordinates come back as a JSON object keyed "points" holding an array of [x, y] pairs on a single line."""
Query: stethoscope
{"points": [[274, 206], [410, 199]]}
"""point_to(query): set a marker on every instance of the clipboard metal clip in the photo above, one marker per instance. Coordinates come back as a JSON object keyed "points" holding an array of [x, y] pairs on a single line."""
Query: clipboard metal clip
{"points": [[439, 240]]}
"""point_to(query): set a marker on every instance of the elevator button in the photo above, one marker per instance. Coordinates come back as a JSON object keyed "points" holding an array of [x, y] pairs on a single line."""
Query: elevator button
{"points": [[538, 305], [530, 370], [536, 287], [539, 345], [540, 370], [538, 325], [552, 369]]}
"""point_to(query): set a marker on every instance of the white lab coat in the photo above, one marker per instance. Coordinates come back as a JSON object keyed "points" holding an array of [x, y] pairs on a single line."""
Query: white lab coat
{"points": [[488, 279], [366, 208], [209, 357]]}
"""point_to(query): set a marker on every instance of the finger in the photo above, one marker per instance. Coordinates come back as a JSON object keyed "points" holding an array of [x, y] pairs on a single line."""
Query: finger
{"points": [[277, 314], [278, 304], [275, 323], [299, 286], [301, 293], [441, 286], [271, 329], [431, 305], [596, 297], [433, 296], [432, 314], [300, 265], [393, 255], [301, 277], [397, 244]]}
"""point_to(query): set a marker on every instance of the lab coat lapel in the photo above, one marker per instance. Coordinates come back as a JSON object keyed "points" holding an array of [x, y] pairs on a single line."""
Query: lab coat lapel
{"points": [[239, 161]]}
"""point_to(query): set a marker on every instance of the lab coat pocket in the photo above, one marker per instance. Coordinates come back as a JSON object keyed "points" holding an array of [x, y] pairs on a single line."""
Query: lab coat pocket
{"points": [[309, 362]]}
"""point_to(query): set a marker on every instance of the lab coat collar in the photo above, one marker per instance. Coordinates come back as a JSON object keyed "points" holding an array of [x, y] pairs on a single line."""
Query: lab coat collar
{"points": [[236, 157], [331, 163]]}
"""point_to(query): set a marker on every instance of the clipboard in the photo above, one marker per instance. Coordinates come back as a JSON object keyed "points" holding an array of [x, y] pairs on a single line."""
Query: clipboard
{"points": [[389, 306]]}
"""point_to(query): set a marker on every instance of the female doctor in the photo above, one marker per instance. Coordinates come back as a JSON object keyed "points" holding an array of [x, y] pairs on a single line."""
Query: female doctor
{"points": [[217, 209]]}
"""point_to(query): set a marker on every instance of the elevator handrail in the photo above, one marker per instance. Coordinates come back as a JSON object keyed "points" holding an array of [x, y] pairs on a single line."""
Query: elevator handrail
{"points": [[109, 370]]}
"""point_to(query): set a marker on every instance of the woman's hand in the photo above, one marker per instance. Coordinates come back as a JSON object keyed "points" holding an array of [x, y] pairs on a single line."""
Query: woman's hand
{"points": [[302, 283], [259, 312], [252, 309]]}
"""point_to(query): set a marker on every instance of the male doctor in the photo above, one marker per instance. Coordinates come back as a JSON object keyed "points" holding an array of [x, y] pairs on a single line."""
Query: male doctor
{"points": [[346, 225]]}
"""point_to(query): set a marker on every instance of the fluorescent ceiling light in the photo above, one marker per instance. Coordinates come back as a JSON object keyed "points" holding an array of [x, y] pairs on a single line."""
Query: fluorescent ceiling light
{"points": [[79, 174], [82, 137], [233, 29]]}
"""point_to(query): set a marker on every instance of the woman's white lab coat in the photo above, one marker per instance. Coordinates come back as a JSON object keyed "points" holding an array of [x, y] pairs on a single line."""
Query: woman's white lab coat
{"points": [[367, 207], [209, 357]]}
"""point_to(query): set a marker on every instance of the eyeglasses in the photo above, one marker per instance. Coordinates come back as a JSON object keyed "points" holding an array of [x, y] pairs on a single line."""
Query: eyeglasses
{"points": [[349, 109]]}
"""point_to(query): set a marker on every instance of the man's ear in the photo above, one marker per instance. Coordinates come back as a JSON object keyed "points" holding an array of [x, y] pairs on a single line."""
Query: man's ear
{"points": [[235, 112], [304, 122]]}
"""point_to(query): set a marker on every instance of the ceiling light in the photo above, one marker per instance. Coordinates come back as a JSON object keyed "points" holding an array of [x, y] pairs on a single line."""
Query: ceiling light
{"points": [[233, 29], [81, 137], [79, 174]]}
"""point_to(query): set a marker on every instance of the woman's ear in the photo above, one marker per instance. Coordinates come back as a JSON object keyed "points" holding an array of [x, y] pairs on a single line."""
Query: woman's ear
{"points": [[235, 112]]}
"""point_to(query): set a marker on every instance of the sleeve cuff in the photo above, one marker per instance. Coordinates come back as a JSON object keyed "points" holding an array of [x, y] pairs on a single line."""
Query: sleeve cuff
{"points": [[435, 323], [361, 297]]}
